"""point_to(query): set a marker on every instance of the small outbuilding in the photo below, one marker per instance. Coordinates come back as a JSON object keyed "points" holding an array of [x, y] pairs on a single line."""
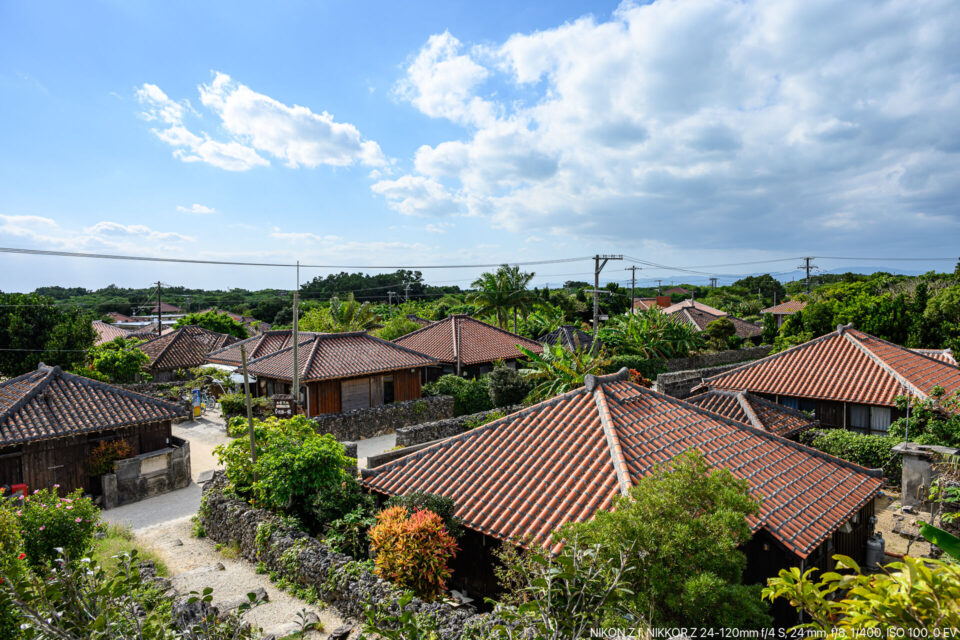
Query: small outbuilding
{"points": [[51, 420], [784, 310]]}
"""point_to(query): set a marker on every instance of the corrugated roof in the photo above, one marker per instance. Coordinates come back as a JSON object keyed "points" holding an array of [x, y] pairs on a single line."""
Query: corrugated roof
{"points": [[786, 308], [338, 355], [476, 341], [183, 348], [755, 411], [562, 460], [50, 403], [846, 365]]}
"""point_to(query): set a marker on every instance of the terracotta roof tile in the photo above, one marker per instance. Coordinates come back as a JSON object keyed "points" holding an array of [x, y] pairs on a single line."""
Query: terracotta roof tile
{"points": [[755, 411], [183, 348], [847, 366], [477, 341], [49, 403], [699, 319], [694, 304], [258, 346], [107, 332], [327, 356], [562, 460], [420, 321], [786, 308], [943, 355]]}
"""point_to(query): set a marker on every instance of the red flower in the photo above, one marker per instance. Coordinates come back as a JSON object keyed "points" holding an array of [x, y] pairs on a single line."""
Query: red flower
{"points": [[21, 556]]}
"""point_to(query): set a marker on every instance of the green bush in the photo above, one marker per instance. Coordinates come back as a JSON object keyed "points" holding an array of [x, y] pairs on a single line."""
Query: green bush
{"points": [[506, 387], [440, 505], [396, 327], [48, 522], [349, 534], [11, 545], [469, 396], [648, 368], [235, 404], [872, 452]]}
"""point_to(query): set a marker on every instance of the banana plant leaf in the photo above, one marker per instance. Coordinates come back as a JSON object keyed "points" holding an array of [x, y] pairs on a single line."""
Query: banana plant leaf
{"points": [[943, 539]]}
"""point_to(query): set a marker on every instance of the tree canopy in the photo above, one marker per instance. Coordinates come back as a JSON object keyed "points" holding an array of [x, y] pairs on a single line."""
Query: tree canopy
{"points": [[35, 329]]}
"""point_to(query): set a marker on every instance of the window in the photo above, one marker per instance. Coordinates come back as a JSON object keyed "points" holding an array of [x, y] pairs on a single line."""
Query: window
{"points": [[387, 389], [859, 416], [880, 419]]}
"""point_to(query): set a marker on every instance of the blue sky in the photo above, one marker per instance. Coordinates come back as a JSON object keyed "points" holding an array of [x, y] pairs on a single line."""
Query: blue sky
{"points": [[686, 133]]}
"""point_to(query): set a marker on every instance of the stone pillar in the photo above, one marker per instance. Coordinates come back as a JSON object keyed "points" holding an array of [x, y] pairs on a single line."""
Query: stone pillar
{"points": [[108, 483], [918, 472]]}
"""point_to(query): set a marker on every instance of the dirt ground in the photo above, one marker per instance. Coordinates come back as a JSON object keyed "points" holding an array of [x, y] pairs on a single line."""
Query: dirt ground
{"points": [[889, 517]]}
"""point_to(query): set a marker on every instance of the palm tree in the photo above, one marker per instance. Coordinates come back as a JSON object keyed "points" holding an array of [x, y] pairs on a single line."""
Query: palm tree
{"points": [[558, 370], [350, 316], [521, 298], [492, 294]]}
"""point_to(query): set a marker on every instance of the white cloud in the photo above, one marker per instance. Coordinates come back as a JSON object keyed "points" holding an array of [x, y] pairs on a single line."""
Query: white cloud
{"points": [[257, 125], [43, 232], [117, 229], [702, 123], [197, 209], [438, 227]]}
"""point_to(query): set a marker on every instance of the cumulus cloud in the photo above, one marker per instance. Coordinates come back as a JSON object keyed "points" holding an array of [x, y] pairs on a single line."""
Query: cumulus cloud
{"points": [[693, 122], [104, 235], [257, 126], [197, 209]]}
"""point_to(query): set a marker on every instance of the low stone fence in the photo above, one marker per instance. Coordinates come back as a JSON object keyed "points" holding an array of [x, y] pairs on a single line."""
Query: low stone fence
{"points": [[148, 474], [340, 581], [680, 384], [721, 357], [430, 431], [378, 421]]}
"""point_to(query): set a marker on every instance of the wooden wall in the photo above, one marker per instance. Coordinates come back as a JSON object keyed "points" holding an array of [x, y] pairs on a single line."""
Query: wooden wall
{"points": [[324, 397], [327, 396], [33, 463], [406, 385]]}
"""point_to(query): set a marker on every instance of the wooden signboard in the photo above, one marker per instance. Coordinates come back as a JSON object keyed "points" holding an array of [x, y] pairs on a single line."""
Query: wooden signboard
{"points": [[283, 405]]}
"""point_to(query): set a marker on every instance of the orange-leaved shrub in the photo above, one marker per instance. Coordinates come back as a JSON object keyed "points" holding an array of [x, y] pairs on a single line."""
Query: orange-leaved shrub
{"points": [[413, 550]]}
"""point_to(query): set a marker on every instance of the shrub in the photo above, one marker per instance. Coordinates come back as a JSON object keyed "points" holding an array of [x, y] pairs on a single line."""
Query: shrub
{"points": [[469, 396], [349, 534], [396, 327], [105, 454], [870, 451], [413, 550], [48, 521], [934, 420], [440, 505], [558, 370], [648, 368], [11, 545], [235, 405], [506, 387], [117, 361]]}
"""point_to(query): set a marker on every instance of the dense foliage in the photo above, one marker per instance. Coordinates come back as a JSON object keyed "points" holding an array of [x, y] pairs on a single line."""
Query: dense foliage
{"points": [[35, 329], [340, 316], [49, 522], [469, 396], [650, 334], [870, 451], [506, 387], [915, 594], [934, 420], [684, 524], [413, 550], [105, 454], [440, 505], [214, 321], [117, 361], [396, 327], [558, 370]]}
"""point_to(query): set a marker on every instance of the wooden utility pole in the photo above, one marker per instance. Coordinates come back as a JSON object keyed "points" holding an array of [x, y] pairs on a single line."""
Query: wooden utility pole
{"points": [[633, 286], [246, 393], [296, 343], [807, 266], [159, 312], [597, 268]]}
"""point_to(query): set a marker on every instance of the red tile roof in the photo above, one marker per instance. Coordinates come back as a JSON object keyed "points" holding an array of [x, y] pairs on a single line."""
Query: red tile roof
{"points": [[846, 365], [694, 304], [943, 355], [476, 341], [672, 290], [166, 307], [107, 332], [699, 320], [49, 403], [258, 346], [755, 411], [562, 460], [660, 302], [183, 348], [119, 317], [326, 356], [786, 308]]}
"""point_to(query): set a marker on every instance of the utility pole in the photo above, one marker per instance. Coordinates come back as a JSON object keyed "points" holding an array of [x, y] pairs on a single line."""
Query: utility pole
{"points": [[713, 283], [246, 392], [597, 268], [159, 312], [390, 295], [188, 304], [296, 343], [633, 286], [406, 292], [807, 266], [658, 286]]}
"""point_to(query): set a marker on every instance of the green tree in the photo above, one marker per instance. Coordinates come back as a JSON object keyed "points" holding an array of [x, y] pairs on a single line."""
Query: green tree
{"points": [[719, 333], [770, 328], [493, 294], [686, 522], [650, 334], [558, 370], [34, 329], [213, 321], [396, 327], [768, 286], [117, 361], [521, 298]]}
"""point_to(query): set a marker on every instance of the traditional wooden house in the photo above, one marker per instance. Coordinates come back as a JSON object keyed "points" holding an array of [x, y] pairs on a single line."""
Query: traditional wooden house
{"points": [[525, 475], [755, 411], [699, 315], [848, 378], [784, 310], [465, 346], [342, 372], [50, 421], [180, 350], [570, 338], [107, 332]]}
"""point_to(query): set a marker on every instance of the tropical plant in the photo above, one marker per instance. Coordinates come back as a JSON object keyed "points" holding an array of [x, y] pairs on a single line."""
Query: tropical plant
{"points": [[650, 334], [686, 523], [469, 396], [521, 298], [543, 320], [348, 534], [52, 526], [340, 316], [558, 370], [117, 361], [440, 505], [34, 329], [413, 550], [870, 451], [397, 327], [493, 294], [916, 594], [214, 321]]}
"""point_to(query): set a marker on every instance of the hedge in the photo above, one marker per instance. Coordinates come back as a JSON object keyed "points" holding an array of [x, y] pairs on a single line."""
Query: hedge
{"points": [[649, 368], [873, 452]]}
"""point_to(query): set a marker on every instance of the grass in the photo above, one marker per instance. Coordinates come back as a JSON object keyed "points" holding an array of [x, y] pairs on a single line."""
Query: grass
{"points": [[118, 540], [230, 550]]}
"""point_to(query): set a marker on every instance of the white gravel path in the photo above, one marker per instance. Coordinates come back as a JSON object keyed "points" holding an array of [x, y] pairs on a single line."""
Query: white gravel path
{"points": [[188, 563]]}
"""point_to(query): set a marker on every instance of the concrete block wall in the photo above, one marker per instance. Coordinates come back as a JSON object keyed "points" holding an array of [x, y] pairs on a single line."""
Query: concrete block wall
{"points": [[148, 475]]}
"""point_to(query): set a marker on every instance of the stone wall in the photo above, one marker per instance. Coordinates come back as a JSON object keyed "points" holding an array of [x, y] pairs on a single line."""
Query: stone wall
{"points": [[429, 431], [147, 475], [378, 421], [919, 472], [721, 357], [341, 582], [680, 384]]}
